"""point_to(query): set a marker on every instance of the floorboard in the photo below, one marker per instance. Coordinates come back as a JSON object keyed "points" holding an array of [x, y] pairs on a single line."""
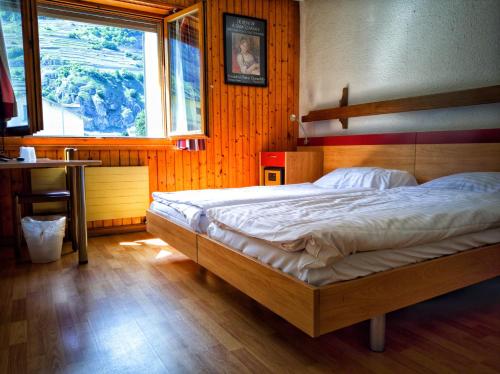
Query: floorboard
{"points": [[141, 307]]}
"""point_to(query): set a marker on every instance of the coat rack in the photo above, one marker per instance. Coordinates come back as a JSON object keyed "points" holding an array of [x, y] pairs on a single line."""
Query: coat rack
{"points": [[476, 96]]}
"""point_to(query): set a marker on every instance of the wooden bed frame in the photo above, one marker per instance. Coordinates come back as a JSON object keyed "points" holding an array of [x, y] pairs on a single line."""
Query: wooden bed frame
{"points": [[320, 310]]}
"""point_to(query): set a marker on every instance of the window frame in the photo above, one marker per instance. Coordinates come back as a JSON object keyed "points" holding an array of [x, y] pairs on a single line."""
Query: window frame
{"points": [[129, 16], [203, 132], [27, 7], [154, 13]]}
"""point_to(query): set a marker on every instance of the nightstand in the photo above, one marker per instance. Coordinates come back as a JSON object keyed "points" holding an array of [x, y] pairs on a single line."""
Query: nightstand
{"points": [[290, 167]]}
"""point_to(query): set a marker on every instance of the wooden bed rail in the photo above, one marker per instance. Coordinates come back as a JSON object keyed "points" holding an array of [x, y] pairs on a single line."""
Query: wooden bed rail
{"points": [[476, 96]]}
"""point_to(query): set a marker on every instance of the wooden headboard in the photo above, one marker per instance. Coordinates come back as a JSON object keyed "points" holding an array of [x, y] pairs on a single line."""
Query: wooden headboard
{"points": [[427, 155]]}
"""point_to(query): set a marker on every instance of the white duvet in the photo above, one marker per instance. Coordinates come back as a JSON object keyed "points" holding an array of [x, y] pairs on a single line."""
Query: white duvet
{"points": [[329, 228], [192, 204]]}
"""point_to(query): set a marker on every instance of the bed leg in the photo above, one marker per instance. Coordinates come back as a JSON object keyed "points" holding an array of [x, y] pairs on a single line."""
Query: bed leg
{"points": [[377, 333]]}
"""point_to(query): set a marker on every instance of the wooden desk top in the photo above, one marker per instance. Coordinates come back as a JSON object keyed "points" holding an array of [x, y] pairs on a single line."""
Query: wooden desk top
{"points": [[46, 163]]}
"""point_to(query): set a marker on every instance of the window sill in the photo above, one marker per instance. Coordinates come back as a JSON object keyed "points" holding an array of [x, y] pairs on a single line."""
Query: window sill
{"points": [[46, 141]]}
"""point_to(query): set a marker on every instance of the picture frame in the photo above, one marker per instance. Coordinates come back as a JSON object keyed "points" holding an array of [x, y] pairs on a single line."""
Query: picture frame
{"points": [[245, 50]]}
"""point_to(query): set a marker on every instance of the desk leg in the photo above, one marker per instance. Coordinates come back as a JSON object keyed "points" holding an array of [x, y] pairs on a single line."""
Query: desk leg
{"points": [[74, 209], [82, 214]]}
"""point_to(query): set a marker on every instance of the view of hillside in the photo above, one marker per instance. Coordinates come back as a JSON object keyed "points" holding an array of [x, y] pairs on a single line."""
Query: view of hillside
{"points": [[96, 72]]}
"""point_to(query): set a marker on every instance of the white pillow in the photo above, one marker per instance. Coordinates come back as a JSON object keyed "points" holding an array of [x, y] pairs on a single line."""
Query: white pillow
{"points": [[475, 182], [369, 177]]}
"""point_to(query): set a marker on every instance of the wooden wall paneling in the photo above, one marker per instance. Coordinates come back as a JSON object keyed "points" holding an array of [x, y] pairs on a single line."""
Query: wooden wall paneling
{"points": [[94, 155], [170, 163], [245, 119], [289, 79], [179, 185], [242, 120], [224, 103], [195, 171], [279, 69], [253, 109], [162, 170], [210, 102], [266, 91], [60, 154], [216, 64], [202, 165], [258, 109], [237, 102], [124, 157], [231, 124], [186, 169], [271, 69], [105, 158], [134, 158]]}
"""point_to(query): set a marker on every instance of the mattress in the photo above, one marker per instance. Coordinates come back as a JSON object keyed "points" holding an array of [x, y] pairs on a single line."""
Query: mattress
{"points": [[178, 217], [353, 266], [325, 229], [188, 208]]}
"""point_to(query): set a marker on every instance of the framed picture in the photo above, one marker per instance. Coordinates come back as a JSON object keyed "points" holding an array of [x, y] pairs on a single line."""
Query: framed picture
{"points": [[245, 50]]}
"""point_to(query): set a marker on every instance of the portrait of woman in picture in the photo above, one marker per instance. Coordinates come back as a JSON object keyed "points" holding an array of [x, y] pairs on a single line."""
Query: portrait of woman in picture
{"points": [[245, 50], [246, 53]]}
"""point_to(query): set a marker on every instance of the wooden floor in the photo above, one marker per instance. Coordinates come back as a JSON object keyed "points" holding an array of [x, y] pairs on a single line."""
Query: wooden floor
{"points": [[140, 307]]}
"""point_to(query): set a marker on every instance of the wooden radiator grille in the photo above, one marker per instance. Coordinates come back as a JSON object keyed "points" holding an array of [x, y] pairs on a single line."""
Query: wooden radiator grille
{"points": [[116, 192]]}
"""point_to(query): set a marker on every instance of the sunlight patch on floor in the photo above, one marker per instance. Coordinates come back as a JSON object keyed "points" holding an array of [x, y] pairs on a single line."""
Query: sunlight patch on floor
{"points": [[163, 254], [154, 241], [130, 244]]}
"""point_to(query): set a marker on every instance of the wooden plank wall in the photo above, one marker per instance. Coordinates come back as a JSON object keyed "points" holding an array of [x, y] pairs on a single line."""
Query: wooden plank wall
{"points": [[242, 120]]}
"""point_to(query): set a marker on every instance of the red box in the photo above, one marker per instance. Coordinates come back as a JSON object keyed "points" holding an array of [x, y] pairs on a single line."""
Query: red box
{"points": [[272, 159]]}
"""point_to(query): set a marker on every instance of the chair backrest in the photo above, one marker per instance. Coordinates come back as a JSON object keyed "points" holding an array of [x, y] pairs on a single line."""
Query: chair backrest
{"points": [[52, 179]]}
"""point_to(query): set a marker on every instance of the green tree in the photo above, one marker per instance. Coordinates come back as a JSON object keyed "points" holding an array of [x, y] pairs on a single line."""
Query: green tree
{"points": [[140, 124]]}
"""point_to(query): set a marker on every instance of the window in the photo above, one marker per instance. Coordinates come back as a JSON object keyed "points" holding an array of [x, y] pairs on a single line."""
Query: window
{"points": [[12, 55], [185, 72], [95, 70], [100, 75]]}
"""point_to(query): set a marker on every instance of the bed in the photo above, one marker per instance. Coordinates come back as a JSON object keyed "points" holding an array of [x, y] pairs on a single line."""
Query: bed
{"points": [[179, 216], [317, 310]]}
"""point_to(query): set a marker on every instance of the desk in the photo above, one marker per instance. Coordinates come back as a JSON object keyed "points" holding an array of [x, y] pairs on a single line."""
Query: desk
{"points": [[77, 188]]}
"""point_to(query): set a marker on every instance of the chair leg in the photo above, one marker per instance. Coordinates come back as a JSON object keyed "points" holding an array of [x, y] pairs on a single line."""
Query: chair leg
{"points": [[17, 228]]}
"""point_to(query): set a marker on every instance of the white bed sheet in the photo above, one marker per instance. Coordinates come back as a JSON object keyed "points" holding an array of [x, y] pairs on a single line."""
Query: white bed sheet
{"points": [[353, 266], [189, 207], [328, 228], [177, 216]]}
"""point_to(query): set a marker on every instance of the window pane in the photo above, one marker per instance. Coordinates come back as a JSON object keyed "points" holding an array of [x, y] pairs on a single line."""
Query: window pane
{"points": [[11, 48], [96, 80], [185, 75]]}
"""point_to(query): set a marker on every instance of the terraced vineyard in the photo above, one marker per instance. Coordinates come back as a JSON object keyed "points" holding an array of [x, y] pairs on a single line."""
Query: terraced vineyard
{"points": [[95, 74]]}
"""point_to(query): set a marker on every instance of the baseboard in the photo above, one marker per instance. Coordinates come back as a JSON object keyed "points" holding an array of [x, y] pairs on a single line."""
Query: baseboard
{"points": [[102, 231]]}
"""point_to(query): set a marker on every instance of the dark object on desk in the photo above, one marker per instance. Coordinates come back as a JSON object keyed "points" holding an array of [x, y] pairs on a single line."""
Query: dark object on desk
{"points": [[20, 159]]}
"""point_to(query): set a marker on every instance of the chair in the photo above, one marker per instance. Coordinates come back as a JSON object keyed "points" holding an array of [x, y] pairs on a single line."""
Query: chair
{"points": [[65, 195]]}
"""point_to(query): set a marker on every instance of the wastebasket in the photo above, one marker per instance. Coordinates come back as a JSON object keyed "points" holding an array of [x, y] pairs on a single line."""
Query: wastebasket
{"points": [[44, 236]]}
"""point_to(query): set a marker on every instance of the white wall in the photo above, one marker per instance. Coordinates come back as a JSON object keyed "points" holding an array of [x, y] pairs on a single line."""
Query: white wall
{"points": [[385, 49]]}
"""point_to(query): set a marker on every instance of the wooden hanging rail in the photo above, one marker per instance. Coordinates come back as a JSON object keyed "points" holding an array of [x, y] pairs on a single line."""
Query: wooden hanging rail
{"points": [[476, 96]]}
